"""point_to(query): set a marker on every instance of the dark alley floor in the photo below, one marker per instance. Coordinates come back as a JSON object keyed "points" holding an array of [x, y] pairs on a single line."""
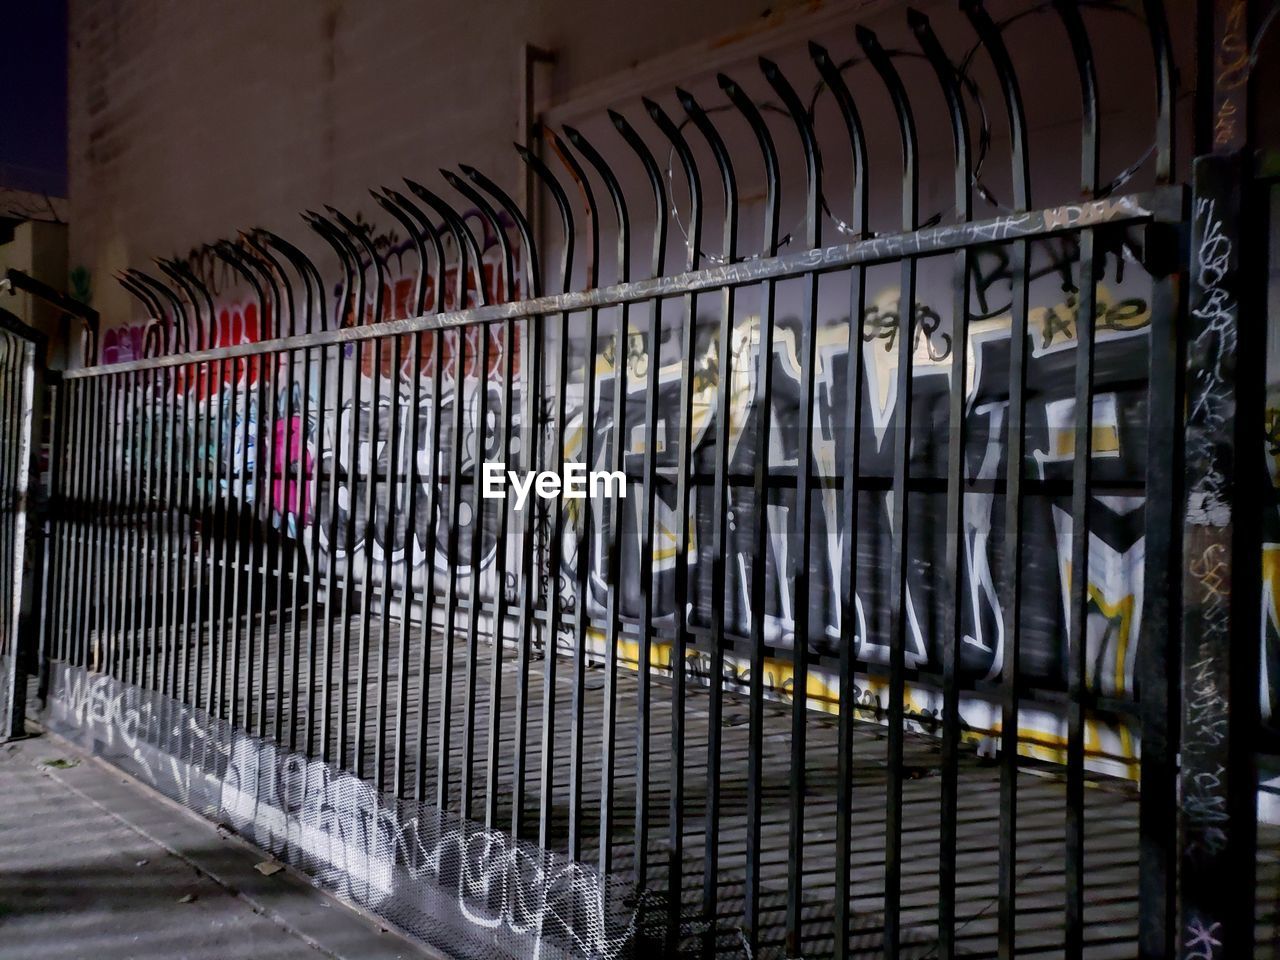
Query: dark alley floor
{"points": [[92, 867]]}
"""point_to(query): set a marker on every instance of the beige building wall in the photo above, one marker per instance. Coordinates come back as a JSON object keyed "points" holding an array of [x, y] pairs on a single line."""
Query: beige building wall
{"points": [[38, 249], [190, 120]]}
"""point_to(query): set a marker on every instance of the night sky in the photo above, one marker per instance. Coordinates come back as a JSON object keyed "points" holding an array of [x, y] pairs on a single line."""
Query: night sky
{"points": [[33, 96]]}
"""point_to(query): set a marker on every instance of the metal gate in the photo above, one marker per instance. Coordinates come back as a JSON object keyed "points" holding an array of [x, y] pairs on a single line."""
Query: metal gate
{"points": [[21, 375], [745, 686]]}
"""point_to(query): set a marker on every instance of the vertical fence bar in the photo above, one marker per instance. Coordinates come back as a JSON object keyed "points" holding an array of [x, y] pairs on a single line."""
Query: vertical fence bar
{"points": [[62, 504], [91, 635], [86, 565], [353, 469], [286, 609], [155, 512], [8, 496], [1220, 579], [1157, 665], [189, 535], [609, 548], [899, 600], [238, 444], [719, 522], [388, 545], [55, 523], [303, 524], [834, 81], [684, 435], [475, 600], [200, 529], [120, 422], [178, 543], [55, 528], [126, 588], [153, 581], [260, 524], [224, 486], [556, 456], [434, 515], [648, 486], [1077, 662], [1011, 600], [582, 551], [163, 507], [957, 446], [412, 479], [111, 424], [372, 348], [451, 581], [1081, 492], [310, 487], [23, 428]]}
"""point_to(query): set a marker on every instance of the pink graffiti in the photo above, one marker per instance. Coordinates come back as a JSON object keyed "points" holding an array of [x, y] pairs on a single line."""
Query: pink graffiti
{"points": [[122, 344], [284, 485]]}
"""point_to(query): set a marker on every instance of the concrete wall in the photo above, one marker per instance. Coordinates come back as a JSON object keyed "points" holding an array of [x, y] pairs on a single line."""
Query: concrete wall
{"points": [[189, 121], [38, 249]]}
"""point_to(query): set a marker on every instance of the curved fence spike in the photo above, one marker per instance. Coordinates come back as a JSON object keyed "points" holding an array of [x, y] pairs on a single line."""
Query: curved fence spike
{"points": [[156, 313], [432, 234], [769, 154], [693, 238], [993, 43], [616, 197], [654, 174], [177, 332], [274, 273], [491, 216], [883, 65], [419, 245], [512, 209], [1166, 87], [946, 74], [272, 326], [1082, 52], [809, 143], [360, 237], [834, 80], [353, 278], [193, 282], [152, 345], [306, 270], [724, 166], [230, 254], [579, 177], [171, 269], [543, 173], [468, 249]]}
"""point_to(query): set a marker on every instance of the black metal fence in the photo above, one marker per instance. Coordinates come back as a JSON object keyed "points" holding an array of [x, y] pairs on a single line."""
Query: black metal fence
{"points": [[21, 360], [754, 698]]}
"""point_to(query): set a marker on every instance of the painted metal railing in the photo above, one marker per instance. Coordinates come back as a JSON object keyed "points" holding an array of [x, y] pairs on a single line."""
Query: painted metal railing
{"points": [[285, 549], [21, 369]]}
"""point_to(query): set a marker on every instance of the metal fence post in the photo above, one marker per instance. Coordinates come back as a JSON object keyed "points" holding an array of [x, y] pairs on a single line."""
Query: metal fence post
{"points": [[1220, 579], [23, 414]]}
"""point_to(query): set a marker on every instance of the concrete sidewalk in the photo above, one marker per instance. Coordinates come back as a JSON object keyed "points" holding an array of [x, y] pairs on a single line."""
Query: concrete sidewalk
{"points": [[94, 866]]}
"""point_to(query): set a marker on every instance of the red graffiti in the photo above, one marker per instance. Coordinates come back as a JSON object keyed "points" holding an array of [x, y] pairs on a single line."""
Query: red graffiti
{"points": [[237, 323]]}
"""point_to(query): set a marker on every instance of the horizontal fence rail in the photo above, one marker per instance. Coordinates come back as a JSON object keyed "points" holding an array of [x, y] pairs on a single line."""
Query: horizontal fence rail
{"points": [[845, 622]]}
